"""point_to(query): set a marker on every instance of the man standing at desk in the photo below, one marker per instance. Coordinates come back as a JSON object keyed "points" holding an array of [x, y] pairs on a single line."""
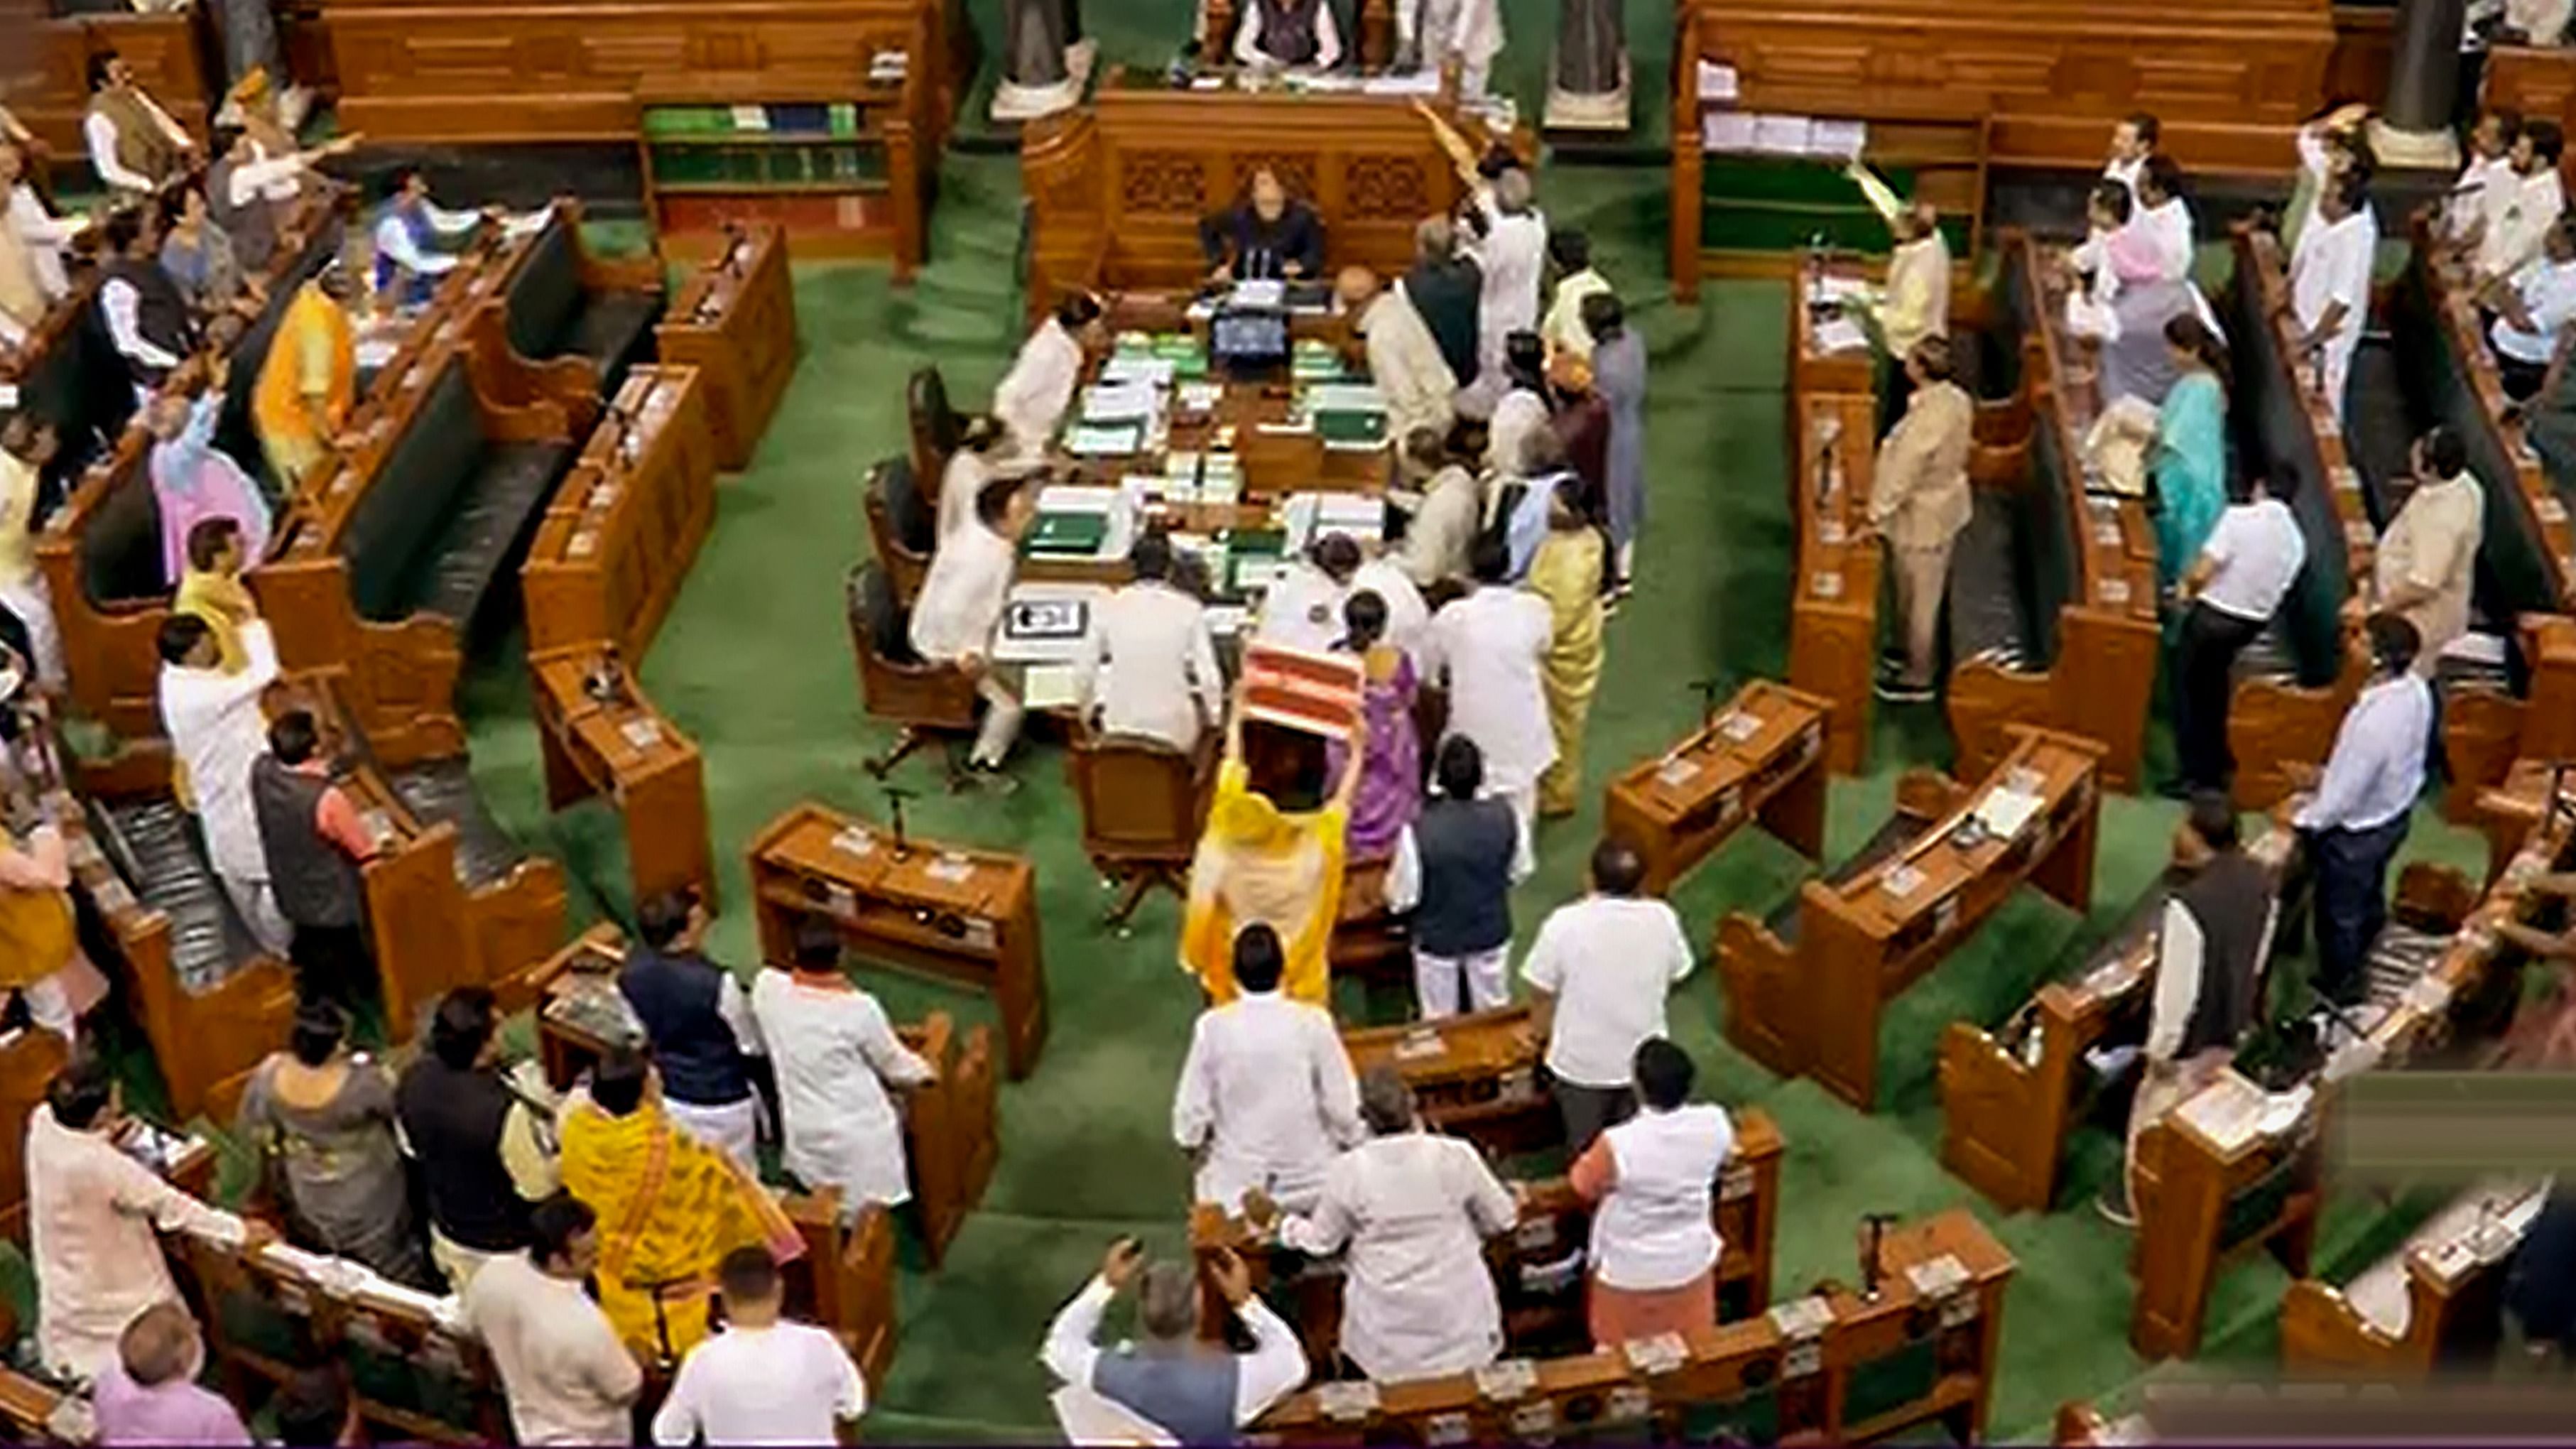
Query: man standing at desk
{"points": [[959, 613], [1290, 34], [1149, 664], [1269, 235]]}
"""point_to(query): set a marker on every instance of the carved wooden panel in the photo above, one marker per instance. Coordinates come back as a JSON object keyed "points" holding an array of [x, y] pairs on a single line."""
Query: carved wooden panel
{"points": [[1394, 188], [1296, 171], [1162, 182]]}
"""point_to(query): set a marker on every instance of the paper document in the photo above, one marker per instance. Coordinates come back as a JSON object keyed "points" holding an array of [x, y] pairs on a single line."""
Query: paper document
{"points": [[1727, 131], [1783, 135], [1260, 292], [1051, 686], [1717, 81], [2004, 812], [1838, 140], [1097, 442]]}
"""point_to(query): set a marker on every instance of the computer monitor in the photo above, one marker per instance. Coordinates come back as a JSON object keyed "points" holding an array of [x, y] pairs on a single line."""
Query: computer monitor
{"points": [[1245, 341]]}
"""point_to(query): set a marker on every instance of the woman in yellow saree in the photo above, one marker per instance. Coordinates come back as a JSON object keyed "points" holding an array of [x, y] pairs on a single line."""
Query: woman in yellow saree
{"points": [[1566, 571], [1257, 862], [670, 1207]]}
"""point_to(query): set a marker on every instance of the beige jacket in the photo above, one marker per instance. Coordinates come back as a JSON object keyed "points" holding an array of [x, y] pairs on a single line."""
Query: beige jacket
{"points": [[1919, 492]]}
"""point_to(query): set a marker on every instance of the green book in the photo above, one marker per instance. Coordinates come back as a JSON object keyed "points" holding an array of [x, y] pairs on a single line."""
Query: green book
{"points": [[1079, 534], [1351, 427]]}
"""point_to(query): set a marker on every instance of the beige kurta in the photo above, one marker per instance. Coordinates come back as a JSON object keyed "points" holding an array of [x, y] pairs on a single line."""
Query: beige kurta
{"points": [[1405, 362], [2433, 543]]}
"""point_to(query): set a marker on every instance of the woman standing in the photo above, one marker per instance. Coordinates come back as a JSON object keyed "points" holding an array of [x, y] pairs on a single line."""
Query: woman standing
{"points": [[1389, 792], [1619, 376], [2189, 465], [322, 1121], [1566, 572], [1650, 1179], [1260, 863]]}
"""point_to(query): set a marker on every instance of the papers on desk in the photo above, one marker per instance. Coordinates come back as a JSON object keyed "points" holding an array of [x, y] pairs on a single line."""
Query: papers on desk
{"points": [[1260, 292], [1309, 516], [1717, 82], [1137, 368], [1051, 686], [2005, 811], [1423, 82], [1108, 403], [1344, 397], [1757, 134], [1121, 441]]}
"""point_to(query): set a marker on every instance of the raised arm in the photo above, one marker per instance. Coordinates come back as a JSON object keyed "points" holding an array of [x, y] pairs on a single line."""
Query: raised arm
{"points": [[1461, 154]]}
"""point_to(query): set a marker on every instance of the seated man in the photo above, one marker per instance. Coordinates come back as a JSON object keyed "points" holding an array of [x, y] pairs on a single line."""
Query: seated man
{"points": [[1295, 34], [133, 144], [2532, 312], [149, 1393], [1177, 1385], [1269, 234], [959, 613], [669, 1206]]}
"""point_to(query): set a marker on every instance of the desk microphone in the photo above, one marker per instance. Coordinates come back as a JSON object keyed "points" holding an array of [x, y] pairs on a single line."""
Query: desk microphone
{"points": [[1873, 1273], [1707, 691], [895, 796]]}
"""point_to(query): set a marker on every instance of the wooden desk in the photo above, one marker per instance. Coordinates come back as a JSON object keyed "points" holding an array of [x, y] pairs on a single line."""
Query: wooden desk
{"points": [[734, 320], [1762, 757], [2271, 721], [2527, 557], [624, 749], [1117, 188], [1850, 1371], [1810, 1005], [2102, 681], [2444, 1286], [959, 915], [1474, 1076], [1833, 616], [615, 546]]}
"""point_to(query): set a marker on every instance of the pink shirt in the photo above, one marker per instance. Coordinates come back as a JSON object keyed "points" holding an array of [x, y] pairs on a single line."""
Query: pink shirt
{"points": [[178, 1412]]}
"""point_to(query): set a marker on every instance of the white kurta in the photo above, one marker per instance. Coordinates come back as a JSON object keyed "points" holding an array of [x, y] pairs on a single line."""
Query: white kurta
{"points": [[1520, 416], [1444, 528], [2520, 212], [1491, 645], [2474, 195], [45, 235], [1267, 1093], [2332, 264], [1653, 1230], [216, 729], [1412, 1211], [1404, 361], [964, 478], [963, 595], [1408, 618], [1562, 329], [1513, 255], [2175, 236], [1150, 667], [91, 1212], [835, 1052], [1303, 610], [1039, 387]]}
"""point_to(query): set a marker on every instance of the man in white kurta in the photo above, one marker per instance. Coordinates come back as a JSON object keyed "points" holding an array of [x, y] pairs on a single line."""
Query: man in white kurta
{"points": [[2522, 207], [1303, 607], [1266, 1096], [2487, 175], [2330, 282], [217, 731], [1513, 256], [1490, 646], [836, 1055], [1033, 395], [2133, 140], [959, 612], [1443, 530], [1408, 617], [1149, 664], [1404, 360], [1469, 32], [1411, 1211], [92, 1213]]}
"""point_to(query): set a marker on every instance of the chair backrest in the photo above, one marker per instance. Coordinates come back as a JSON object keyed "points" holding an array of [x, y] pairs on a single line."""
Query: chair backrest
{"points": [[935, 425], [235, 433], [120, 543], [416, 487], [902, 526], [895, 683], [1142, 799], [545, 293]]}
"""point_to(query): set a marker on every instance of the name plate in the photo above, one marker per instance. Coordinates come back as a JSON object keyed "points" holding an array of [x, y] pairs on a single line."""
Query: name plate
{"points": [[1535, 1236], [1831, 533], [1802, 1318], [1347, 1402], [2357, 535], [643, 734], [1630, 1403], [1500, 1383], [1677, 773], [951, 869], [1827, 584], [1535, 1422], [851, 840], [2115, 592], [2106, 532], [1516, 1086], [979, 934], [1661, 1354], [1738, 726], [2347, 480], [1448, 1429], [581, 545]]}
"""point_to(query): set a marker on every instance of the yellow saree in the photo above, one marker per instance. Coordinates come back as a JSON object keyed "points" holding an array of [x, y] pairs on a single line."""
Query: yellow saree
{"points": [[1566, 571], [670, 1207], [1256, 862], [315, 356]]}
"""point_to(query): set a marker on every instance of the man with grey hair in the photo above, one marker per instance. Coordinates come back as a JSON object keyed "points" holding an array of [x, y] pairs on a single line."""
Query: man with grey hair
{"points": [[1510, 246], [1412, 1211], [1172, 1383], [148, 1393], [1445, 288]]}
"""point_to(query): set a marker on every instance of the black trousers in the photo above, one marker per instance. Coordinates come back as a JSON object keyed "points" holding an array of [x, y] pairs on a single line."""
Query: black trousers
{"points": [[1589, 1111], [2204, 665], [2351, 901], [332, 963], [2521, 379]]}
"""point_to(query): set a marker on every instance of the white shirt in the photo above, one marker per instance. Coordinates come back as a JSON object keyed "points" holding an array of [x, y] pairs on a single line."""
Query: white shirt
{"points": [[1475, 33], [394, 239], [2169, 229], [1302, 609], [2543, 22], [2377, 767], [1490, 646], [1404, 872], [835, 1052], [2474, 195], [567, 1377], [45, 235], [2182, 955], [2258, 551], [963, 595], [100, 134], [1149, 666], [1412, 1211], [2520, 212], [2433, 544], [1034, 394], [123, 305], [1443, 531], [1609, 961], [275, 178], [785, 1384], [1271, 1372], [1328, 39], [1267, 1092], [216, 729], [1408, 618], [91, 1212], [1520, 416], [1655, 1228], [2548, 292], [959, 484], [1513, 254], [2332, 264]]}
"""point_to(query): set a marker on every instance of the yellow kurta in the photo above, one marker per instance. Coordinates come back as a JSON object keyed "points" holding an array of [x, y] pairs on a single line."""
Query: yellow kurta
{"points": [[670, 1207], [1566, 571], [1256, 863], [315, 356], [223, 603]]}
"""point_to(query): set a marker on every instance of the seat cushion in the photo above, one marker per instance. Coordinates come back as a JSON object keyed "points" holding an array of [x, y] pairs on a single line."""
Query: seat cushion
{"points": [[916, 523], [545, 293], [154, 844], [613, 330], [391, 534], [486, 531], [443, 791], [1988, 615], [2269, 656]]}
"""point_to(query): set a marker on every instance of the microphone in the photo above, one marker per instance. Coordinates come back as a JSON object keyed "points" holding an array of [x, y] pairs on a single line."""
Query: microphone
{"points": [[895, 796], [1707, 691]]}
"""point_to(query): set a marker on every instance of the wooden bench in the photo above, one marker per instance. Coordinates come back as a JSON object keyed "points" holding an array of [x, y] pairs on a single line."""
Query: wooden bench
{"points": [[390, 566], [565, 325], [1474, 1076], [598, 735], [454, 899], [950, 1143], [2527, 558], [2079, 653], [734, 320], [2435, 1300], [170, 52], [611, 553], [1844, 1369], [2211, 1185], [1805, 986], [68, 373], [1760, 758]]}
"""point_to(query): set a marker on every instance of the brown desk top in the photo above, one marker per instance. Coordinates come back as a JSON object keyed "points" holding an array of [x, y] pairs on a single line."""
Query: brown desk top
{"points": [[2049, 765], [812, 840], [1478, 1044], [627, 734], [1763, 720], [707, 298]]}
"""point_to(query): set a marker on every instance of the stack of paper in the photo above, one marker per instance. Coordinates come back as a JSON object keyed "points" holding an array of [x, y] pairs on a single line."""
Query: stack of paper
{"points": [[1783, 135], [1717, 81], [1119, 402], [1727, 131], [1423, 82], [2004, 811], [1136, 367], [1310, 516], [1122, 441], [1260, 292], [1838, 140]]}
